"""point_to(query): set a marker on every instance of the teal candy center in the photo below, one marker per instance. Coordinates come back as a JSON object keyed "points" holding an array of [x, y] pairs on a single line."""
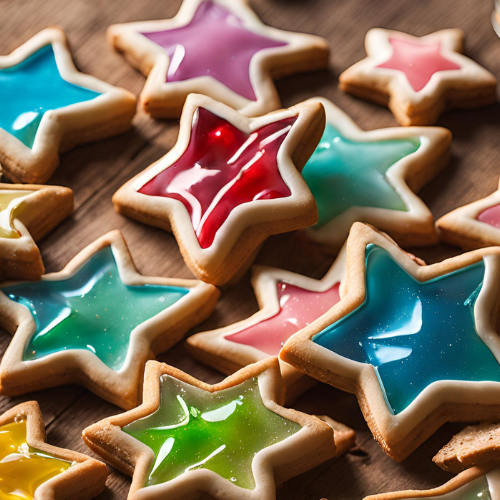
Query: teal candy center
{"points": [[30, 89], [93, 310], [342, 173], [414, 333]]}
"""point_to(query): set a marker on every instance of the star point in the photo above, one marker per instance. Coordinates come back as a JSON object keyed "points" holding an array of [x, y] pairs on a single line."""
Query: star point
{"points": [[474, 225]]}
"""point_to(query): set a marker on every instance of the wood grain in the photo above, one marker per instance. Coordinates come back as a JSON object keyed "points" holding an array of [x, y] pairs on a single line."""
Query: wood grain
{"points": [[96, 171]]}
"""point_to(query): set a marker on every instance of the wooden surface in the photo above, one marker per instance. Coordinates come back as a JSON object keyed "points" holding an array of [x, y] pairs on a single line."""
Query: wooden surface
{"points": [[96, 171]]}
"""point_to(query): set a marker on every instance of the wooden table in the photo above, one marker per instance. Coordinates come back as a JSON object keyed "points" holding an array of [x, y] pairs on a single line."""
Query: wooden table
{"points": [[96, 171]]}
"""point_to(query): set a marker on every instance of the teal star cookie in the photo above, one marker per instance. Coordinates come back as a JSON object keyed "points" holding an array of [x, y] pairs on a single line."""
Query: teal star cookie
{"points": [[97, 321], [48, 105]]}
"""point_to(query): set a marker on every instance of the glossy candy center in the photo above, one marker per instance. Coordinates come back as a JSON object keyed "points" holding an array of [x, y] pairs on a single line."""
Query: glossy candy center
{"points": [[343, 173], [10, 202], [221, 431], [490, 216], [221, 169], [414, 333], [214, 43], [93, 310], [298, 308], [30, 89], [22, 468], [418, 61]]}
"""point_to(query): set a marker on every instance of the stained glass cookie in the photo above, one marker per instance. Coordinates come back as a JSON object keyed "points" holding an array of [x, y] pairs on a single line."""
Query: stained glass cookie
{"points": [[288, 303], [27, 214], [218, 48], [228, 183], [95, 323], [416, 343], [232, 440], [419, 77], [48, 107], [475, 225], [372, 177], [32, 469]]}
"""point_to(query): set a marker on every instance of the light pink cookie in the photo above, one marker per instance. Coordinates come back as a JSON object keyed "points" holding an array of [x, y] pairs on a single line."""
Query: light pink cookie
{"points": [[288, 303], [419, 77]]}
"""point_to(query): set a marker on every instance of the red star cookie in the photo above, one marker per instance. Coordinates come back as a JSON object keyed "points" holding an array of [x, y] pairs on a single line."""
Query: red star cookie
{"points": [[232, 440], [228, 184], [30, 468], [218, 48], [418, 77]]}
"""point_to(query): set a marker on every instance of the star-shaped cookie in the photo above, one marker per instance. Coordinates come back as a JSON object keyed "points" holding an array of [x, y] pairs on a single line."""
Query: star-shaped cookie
{"points": [[474, 225], [218, 48], [288, 302], [48, 106], [27, 214], [30, 468], [473, 484], [417, 344], [228, 184], [96, 323], [229, 440], [419, 77], [372, 177]]}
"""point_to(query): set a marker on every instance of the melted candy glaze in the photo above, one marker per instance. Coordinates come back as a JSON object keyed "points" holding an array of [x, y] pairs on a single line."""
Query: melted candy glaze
{"points": [[414, 333], [30, 89], [22, 468], [490, 216], [298, 308], [343, 173], [93, 310], [221, 169], [220, 431], [214, 43], [418, 61]]}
